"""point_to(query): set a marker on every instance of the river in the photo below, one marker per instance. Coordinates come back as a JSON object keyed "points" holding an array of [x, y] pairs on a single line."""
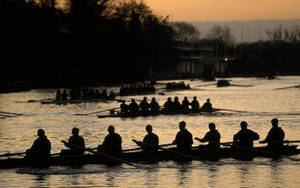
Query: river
{"points": [[261, 103]]}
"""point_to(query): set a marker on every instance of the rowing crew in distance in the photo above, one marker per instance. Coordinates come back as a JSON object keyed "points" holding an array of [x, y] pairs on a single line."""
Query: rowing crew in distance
{"points": [[112, 144], [170, 106]]}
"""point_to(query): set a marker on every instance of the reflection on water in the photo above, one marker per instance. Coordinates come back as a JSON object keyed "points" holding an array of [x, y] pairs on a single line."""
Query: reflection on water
{"points": [[184, 174], [261, 103], [275, 173], [213, 173]]}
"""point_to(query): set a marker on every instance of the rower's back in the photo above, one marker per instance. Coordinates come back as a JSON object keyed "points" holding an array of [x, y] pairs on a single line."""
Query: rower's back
{"points": [[184, 139], [151, 139], [112, 143], [275, 136], [40, 149], [245, 137]]}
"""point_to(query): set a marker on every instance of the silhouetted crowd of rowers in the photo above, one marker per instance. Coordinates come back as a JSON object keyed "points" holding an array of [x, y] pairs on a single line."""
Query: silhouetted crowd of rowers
{"points": [[83, 94], [179, 85], [135, 89], [144, 107], [112, 144]]}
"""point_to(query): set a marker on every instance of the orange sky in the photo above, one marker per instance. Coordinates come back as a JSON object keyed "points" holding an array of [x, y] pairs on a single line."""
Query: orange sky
{"points": [[226, 10]]}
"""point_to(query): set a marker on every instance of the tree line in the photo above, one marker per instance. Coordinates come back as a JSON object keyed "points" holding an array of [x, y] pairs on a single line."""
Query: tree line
{"points": [[52, 43], [83, 41]]}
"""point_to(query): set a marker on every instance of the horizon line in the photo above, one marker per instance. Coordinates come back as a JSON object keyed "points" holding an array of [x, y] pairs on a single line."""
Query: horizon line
{"points": [[250, 20]]}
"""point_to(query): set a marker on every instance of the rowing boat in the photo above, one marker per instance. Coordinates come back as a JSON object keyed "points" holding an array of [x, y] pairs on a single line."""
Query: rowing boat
{"points": [[54, 101], [164, 155], [161, 112]]}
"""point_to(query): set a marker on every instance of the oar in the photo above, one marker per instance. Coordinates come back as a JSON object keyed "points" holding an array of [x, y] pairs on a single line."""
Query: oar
{"points": [[237, 85], [206, 85], [296, 86], [103, 154], [284, 141], [7, 116], [12, 154], [222, 109], [10, 113], [171, 151], [42, 100], [19, 153], [97, 111], [291, 141], [221, 143]]}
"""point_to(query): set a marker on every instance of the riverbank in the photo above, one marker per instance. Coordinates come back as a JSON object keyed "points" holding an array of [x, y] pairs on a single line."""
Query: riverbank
{"points": [[26, 85]]}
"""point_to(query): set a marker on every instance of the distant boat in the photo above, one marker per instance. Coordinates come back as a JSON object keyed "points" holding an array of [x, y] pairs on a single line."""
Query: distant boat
{"points": [[223, 83]]}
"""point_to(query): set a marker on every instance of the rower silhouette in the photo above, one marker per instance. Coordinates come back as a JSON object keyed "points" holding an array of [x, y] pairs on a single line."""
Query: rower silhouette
{"points": [[40, 149], [184, 139], [74, 140], [275, 136], [207, 106], [151, 139], [195, 104], [245, 137], [185, 104], [212, 137], [112, 143], [154, 106]]}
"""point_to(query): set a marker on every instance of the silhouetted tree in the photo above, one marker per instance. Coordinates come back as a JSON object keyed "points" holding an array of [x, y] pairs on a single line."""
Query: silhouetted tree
{"points": [[185, 32], [221, 33]]}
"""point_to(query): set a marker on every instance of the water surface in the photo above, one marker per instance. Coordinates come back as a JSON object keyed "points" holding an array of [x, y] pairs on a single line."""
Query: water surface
{"points": [[262, 102]]}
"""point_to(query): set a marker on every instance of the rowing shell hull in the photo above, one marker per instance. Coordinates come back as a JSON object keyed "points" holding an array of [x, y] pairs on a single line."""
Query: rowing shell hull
{"points": [[78, 101], [133, 157], [163, 112]]}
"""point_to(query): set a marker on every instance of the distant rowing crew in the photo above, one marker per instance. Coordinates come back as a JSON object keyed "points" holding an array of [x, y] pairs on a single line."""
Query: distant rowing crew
{"points": [[170, 106], [135, 89], [79, 94], [112, 144]]}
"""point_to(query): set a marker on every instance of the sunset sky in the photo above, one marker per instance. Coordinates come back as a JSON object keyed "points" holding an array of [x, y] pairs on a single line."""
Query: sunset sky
{"points": [[226, 10]]}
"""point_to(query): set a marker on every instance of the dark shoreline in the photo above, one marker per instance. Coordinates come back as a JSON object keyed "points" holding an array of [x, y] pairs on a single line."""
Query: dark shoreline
{"points": [[27, 85]]}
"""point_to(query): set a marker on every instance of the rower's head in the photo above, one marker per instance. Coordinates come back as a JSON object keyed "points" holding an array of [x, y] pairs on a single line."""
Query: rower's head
{"points": [[182, 125], [153, 99], [274, 122], [176, 98], [244, 125], [195, 98], [111, 129], [145, 98], [169, 99], [132, 100], [41, 132], [208, 100], [149, 128], [75, 131], [212, 126], [185, 98]]}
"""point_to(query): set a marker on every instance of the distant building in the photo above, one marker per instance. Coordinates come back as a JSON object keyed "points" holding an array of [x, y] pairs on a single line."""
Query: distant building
{"points": [[200, 62]]}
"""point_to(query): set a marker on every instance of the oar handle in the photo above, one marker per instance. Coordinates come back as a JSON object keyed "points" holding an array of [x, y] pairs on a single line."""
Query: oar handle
{"points": [[221, 143], [102, 154], [222, 109], [171, 151], [226, 143], [277, 142], [12, 154], [162, 145], [97, 112]]}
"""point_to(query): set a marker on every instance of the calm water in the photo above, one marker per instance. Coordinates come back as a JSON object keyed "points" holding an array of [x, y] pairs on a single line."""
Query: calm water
{"points": [[262, 103]]}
